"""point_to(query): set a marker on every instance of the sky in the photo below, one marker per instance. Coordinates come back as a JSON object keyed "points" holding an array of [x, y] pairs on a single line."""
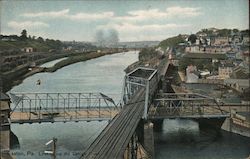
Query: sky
{"points": [[133, 20]]}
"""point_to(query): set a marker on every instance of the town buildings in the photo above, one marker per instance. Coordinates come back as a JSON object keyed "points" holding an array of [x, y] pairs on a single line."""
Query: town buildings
{"points": [[229, 54]]}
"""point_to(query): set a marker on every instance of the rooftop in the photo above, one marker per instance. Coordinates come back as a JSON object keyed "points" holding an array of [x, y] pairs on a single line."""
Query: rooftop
{"points": [[205, 56], [142, 72]]}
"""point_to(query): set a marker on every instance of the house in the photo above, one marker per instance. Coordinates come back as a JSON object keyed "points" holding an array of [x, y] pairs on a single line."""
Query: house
{"points": [[214, 30], [28, 49], [231, 55], [192, 74], [246, 55], [217, 49], [226, 48], [193, 48], [208, 41], [201, 34], [221, 41], [225, 70], [236, 39], [197, 41], [204, 73], [203, 41], [212, 49], [67, 48], [245, 40], [8, 39]]}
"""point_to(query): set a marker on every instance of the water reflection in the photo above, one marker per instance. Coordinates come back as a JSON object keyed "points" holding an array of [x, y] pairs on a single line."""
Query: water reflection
{"points": [[104, 74], [183, 139]]}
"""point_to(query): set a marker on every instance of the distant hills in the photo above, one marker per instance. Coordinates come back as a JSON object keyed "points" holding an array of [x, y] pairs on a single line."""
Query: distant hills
{"points": [[209, 32], [140, 44], [132, 44]]}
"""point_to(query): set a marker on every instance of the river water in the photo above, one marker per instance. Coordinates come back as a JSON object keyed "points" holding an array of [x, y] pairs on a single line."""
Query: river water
{"points": [[52, 63], [178, 138]]}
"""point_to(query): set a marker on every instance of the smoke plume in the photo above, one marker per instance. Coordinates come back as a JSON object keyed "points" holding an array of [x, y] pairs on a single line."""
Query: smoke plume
{"points": [[107, 37]]}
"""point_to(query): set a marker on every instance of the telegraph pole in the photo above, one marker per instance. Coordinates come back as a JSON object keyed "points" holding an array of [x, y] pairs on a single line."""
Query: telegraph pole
{"points": [[53, 151]]}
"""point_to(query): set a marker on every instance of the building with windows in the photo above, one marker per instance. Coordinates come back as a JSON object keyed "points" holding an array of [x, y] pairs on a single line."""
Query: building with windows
{"points": [[28, 49], [225, 70], [192, 74]]}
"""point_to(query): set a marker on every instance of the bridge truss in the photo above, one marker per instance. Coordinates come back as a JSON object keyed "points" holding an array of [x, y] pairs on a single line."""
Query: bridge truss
{"points": [[185, 105], [140, 78], [54, 107]]}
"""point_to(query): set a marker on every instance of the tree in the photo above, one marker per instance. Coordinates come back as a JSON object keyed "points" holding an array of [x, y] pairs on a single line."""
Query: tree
{"points": [[40, 39], [235, 30], [23, 35], [192, 38], [224, 32], [171, 42]]}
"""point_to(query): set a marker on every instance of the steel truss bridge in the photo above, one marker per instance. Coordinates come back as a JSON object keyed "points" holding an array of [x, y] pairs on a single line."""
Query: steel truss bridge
{"points": [[141, 101], [61, 107], [185, 105], [141, 104]]}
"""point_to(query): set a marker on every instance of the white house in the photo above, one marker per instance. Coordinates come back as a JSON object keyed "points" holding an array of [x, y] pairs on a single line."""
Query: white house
{"points": [[28, 49], [192, 74]]}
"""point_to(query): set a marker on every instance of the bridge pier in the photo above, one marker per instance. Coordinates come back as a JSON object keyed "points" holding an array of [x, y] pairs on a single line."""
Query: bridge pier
{"points": [[148, 142], [158, 124], [207, 123], [5, 131]]}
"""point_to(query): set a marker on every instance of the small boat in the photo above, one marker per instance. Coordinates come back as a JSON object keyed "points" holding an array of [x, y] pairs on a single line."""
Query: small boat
{"points": [[38, 82]]}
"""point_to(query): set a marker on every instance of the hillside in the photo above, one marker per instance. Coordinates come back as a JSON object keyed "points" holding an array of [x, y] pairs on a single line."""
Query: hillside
{"points": [[171, 42], [39, 44]]}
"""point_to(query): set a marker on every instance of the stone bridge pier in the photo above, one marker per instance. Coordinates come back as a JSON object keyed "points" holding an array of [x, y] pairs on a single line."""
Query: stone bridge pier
{"points": [[5, 131], [144, 148]]}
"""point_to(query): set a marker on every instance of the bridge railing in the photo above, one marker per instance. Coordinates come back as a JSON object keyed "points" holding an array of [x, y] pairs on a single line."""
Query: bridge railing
{"points": [[34, 106]]}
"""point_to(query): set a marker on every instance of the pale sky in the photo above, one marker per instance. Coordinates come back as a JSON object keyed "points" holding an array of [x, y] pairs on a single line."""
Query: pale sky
{"points": [[140, 20]]}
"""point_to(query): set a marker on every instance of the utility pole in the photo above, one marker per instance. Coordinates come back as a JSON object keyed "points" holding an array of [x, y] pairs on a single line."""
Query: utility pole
{"points": [[53, 148]]}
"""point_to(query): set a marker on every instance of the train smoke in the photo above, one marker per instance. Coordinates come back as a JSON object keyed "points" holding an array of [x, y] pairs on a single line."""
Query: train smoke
{"points": [[107, 37]]}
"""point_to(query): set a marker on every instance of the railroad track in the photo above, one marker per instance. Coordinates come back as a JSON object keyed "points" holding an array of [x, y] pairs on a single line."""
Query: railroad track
{"points": [[113, 140], [115, 137]]}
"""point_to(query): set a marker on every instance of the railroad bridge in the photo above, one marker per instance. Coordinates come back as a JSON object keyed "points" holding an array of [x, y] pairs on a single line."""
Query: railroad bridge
{"points": [[131, 131], [129, 134]]}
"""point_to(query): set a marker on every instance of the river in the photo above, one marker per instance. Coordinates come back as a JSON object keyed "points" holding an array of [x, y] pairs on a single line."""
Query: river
{"points": [[52, 63], [178, 139]]}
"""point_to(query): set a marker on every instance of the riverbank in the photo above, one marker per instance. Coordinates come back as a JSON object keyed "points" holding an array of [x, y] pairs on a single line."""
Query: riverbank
{"points": [[80, 58], [16, 76], [104, 74]]}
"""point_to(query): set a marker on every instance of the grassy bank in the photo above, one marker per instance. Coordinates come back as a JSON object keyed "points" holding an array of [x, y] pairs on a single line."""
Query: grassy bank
{"points": [[75, 59], [16, 76]]}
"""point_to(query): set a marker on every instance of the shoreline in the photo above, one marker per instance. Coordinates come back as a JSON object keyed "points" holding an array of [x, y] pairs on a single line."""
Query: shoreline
{"points": [[79, 58], [13, 78]]}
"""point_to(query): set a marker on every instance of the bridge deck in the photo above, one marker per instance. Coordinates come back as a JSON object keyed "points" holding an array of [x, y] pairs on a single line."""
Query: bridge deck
{"points": [[115, 137], [186, 112], [60, 115]]}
